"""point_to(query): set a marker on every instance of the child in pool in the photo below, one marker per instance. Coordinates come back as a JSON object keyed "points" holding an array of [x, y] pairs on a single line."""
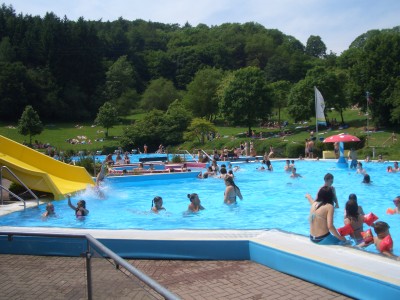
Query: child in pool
{"points": [[49, 210], [395, 210], [157, 204], [383, 241], [354, 218], [195, 203]]}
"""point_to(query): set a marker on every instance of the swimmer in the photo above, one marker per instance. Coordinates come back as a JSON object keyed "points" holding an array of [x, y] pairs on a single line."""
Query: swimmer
{"points": [[223, 173], [294, 174], [157, 204], [195, 203], [354, 218], [49, 210], [395, 210], [269, 165], [80, 209], [328, 181], [102, 174], [383, 241], [360, 169], [367, 179], [288, 167], [231, 191]]}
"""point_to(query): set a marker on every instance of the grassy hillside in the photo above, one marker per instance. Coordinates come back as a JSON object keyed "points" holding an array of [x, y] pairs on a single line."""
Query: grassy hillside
{"points": [[58, 135]]}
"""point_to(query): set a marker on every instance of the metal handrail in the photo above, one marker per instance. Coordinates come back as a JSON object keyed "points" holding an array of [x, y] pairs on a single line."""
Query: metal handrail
{"points": [[186, 152], [20, 182], [109, 253], [206, 154]]}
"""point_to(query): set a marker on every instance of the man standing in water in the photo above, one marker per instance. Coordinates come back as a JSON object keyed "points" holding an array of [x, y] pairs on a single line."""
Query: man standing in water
{"points": [[328, 181]]}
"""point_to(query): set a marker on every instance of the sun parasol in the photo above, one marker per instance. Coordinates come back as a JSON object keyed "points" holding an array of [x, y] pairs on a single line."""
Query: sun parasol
{"points": [[342, 137]]}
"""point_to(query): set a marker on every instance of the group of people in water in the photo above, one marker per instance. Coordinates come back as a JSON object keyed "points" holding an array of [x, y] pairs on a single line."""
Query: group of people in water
{"points": [[323, 231], [322, 208]]}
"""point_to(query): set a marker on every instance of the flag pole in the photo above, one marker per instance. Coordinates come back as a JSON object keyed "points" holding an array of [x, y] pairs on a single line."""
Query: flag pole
{"points": [[315, 105]]}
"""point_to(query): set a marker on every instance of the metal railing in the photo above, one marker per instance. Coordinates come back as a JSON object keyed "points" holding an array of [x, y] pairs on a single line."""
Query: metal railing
{"points": [[206, 154], [13, 194], [186, 152], [91, 247]]}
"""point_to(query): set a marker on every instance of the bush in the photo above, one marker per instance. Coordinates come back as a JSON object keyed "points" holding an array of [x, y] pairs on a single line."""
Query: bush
{"points": [[176, 159], [22, 191], [294, 150], [87, 163]]}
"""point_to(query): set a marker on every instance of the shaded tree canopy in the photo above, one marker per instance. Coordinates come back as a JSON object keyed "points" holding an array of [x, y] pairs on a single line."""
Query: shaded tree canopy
{"points": [[58, 65]]}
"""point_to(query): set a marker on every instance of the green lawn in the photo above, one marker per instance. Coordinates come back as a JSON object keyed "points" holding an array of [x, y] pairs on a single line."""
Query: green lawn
{"points": [[58, 134]]}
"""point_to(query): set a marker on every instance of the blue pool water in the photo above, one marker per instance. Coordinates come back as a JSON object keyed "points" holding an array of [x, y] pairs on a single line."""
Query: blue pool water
{"points": [[271, 200]]}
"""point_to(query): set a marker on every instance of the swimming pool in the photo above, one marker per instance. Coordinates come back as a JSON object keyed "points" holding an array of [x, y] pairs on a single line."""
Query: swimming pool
{"points": [[271, 200]]}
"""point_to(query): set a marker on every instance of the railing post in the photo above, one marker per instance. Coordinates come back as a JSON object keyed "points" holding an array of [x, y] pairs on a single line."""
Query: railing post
{"points": [[88, 257]]}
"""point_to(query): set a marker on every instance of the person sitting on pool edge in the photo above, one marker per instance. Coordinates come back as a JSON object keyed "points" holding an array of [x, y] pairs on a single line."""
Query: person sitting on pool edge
{"points": [[195, 203], [157, 204], [322, 230], [80, 209]]}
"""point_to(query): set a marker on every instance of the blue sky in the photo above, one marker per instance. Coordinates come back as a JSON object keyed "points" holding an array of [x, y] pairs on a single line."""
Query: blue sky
{"points": [[337, 22]]}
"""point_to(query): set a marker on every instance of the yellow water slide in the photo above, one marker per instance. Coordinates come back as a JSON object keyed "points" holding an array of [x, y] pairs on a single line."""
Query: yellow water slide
{"points": [[41, 172]]}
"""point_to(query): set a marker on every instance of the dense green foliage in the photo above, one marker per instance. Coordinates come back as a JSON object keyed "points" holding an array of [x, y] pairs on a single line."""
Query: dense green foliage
{"points": [[238, 74]]}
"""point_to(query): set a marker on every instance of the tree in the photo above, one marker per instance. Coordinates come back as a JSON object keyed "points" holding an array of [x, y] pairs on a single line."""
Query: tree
{"points": [[159, 94], [201, 97], [29, 123], [315, 46], [280, 91], [330, 82], [120, 85], [107, 116], [245, 98], [199, 128]]}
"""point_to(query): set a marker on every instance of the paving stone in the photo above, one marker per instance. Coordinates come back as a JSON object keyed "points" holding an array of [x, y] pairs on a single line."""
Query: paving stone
{"points": [[50, 277]]}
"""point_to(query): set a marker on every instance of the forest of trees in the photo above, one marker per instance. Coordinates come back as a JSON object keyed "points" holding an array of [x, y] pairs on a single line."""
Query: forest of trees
{"points": [[66, 70]]}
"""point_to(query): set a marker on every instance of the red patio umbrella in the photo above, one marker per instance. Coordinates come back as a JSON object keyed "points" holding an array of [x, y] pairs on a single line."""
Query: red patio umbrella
{"points": [[341, 137]]}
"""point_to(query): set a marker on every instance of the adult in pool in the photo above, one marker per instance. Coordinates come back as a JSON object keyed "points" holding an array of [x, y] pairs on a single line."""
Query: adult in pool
{"points": [[328, 181], [231, 191], [80, 208], [322, 229]]}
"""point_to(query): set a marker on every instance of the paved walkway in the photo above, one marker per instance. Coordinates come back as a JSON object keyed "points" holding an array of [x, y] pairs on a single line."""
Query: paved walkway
{"points": [[41, 277]]}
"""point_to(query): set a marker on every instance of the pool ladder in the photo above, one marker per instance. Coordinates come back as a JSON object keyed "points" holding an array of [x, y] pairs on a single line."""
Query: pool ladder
{"points": [[20, 182]]}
